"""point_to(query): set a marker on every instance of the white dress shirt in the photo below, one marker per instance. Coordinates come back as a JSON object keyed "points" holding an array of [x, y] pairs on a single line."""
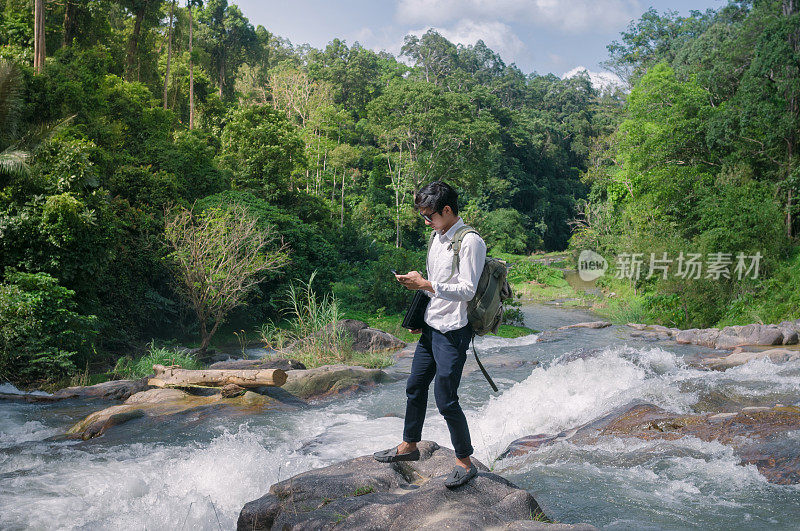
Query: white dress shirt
{"points": [[448, 306]]}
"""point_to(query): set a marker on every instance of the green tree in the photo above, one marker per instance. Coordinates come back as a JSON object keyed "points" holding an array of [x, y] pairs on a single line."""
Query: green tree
{"points": [[228, 38], [219, 255], [147, 14], [261, 149]]}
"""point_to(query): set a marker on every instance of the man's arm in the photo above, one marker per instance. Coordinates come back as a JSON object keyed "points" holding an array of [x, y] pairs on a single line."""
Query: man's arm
{"points": [[470, 266]]}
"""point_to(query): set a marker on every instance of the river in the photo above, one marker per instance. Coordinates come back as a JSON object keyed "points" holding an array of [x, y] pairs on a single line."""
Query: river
{"points": [[197, 471]]}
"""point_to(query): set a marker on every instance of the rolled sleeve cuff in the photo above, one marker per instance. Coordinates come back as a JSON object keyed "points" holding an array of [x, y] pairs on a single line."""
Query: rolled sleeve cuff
{"points": [[436, 290]]}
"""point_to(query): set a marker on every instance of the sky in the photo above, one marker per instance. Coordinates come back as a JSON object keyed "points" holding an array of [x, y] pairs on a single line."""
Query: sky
{"points": [[542, 36]]}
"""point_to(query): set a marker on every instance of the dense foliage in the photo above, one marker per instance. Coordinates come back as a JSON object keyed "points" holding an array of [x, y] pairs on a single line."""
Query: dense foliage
{"points": [[136, 111], [704, 160]]}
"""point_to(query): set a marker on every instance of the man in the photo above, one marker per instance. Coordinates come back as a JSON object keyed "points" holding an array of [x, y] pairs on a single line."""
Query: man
{"points": [[442, 347]]}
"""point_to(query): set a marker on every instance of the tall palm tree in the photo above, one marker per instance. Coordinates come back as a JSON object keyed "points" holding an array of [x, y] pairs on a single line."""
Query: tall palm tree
{"points": [[13, 159], [17, 146]]}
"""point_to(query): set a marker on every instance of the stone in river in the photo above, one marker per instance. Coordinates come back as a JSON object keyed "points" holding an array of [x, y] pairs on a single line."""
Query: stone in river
{"points": [[329, 380], [362, 493], [590, 324], [164, 404], [758, 435], [113, 390]]}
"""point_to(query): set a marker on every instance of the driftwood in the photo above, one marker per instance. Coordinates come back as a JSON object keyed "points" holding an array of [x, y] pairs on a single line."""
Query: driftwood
{"points": [[174, 376]]}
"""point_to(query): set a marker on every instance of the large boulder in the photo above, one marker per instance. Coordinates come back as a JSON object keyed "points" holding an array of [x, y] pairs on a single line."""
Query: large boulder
{"points": [[329, 380], [758, 435], [113, 390], [752, 334], [362, 493], [740, 357], [159, 403], [706, 337]]}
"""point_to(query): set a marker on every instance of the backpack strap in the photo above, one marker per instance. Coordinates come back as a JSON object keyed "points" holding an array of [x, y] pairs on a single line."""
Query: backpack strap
{"points": [[480, 365], [458, 237], [430, 243]]}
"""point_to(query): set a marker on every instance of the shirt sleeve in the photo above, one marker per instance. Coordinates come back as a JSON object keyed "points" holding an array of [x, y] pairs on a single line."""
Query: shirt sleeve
{"points": [[471, 259]]}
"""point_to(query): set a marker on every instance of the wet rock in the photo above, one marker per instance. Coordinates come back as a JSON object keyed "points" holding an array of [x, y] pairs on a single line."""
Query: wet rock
{"points": [[157, 396], [250, 398], [665, 330], [113, 390], [580, 353], [660, 329], [550, 336], [740, 357], [161, 403], [758, 435], [752, 334], [27, 397], [740, 335], [790, 336], [284, 364], [231, 390], [363, 494], [590, 324], [722, 400], [650, 336], [706, 337], [330, 380], [99, 426]]}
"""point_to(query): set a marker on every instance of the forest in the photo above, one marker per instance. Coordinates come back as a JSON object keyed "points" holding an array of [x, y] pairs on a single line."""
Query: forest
{"points": [[119, 116]]}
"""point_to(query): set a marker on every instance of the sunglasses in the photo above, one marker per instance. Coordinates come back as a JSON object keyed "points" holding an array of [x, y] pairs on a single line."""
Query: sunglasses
{"points": [[427, 217]]}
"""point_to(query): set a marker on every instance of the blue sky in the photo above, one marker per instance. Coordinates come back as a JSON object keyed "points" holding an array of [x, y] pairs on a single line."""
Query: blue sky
{"points": [[538, 35]]}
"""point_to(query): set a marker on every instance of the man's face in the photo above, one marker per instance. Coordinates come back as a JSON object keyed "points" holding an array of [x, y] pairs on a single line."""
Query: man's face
{"points": [[440, 221]]}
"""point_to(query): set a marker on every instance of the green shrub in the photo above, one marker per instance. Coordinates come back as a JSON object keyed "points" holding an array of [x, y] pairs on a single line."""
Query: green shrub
{"points": [[41, 334], [526, 270], [127, 367]]}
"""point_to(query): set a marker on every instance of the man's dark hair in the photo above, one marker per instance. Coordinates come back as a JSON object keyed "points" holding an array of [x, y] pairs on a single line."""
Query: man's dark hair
{"points": [[437, 195]]}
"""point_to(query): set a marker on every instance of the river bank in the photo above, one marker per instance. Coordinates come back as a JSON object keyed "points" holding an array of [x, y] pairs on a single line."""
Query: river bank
{"points": [[203, 466]]}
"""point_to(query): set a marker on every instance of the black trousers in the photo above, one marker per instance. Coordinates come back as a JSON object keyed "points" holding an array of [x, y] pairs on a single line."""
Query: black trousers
{"points": [[439, 357]]}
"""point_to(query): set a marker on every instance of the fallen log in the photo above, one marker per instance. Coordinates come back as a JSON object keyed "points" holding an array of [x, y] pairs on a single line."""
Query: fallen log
{"points": [[174, 376]]}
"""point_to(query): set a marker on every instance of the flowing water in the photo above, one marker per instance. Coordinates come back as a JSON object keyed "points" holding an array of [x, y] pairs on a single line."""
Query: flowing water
{"points": [[197, 471]]}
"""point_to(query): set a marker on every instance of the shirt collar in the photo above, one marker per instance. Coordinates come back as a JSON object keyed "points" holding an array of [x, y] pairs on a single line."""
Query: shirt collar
{"points": [[448, 236]]}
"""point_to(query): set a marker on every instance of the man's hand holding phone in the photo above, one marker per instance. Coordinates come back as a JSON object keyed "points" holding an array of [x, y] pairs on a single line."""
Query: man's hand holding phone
{"points": [[414, 280]]}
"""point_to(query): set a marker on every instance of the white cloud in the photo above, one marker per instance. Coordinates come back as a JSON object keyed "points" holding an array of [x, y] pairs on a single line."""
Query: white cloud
{"points": [[496, 35], [602, 81], [570, 16]]}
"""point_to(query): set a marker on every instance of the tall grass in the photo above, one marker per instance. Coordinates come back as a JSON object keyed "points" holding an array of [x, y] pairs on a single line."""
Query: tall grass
{"points": [[313, 334], [129, 368]]}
